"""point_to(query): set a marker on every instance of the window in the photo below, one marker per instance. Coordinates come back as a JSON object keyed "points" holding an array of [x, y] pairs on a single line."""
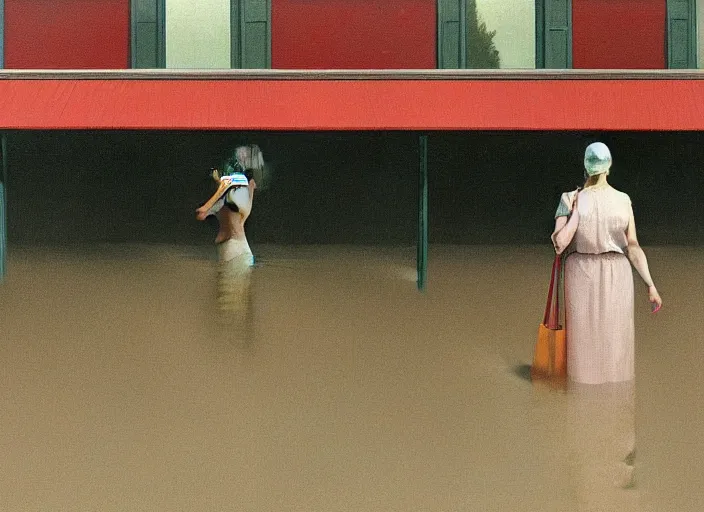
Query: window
{"points": [[198, 34], [207, 34], [486, 34], [501, 34]]}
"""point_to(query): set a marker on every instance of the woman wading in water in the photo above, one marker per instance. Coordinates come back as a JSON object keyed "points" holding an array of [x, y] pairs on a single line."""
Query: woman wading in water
{"points": [[597, 230], [232, 204]]}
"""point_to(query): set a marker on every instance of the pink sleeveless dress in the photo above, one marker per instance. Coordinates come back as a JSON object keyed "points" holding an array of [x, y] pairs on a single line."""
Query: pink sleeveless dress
{"points": [[599, 289]]}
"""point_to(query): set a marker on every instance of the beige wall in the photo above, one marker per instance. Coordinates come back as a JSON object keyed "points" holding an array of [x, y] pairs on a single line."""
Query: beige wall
{"points": [[198, 34], [514, 22]]}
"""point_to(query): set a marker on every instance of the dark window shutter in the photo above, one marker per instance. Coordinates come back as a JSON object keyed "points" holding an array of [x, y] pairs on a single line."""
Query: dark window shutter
{"points": [[251, 34], [681, 34], [148, 41], [451, 34], [554, 34]]}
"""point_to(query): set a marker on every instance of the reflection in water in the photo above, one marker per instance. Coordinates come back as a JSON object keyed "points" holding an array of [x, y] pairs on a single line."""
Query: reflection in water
{"points": [[120, 391], [601, 419], [234, 295]]}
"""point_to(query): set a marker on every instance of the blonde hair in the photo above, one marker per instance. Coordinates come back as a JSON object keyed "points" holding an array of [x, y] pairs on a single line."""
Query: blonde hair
{"points": [[255, 161], [254, 158]]}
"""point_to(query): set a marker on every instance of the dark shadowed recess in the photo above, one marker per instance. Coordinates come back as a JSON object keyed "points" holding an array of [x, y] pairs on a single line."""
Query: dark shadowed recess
{"points": [[342, 187]]}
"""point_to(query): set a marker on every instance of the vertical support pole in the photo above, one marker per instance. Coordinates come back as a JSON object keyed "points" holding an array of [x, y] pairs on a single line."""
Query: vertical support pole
{"points": [[3, 207], [422, 255]]}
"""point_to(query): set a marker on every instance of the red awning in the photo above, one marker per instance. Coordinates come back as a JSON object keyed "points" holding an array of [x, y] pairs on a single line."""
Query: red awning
{"points": [[396, 103]]}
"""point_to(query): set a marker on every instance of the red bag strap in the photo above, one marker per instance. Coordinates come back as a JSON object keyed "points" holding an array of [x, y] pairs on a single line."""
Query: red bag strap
{"points": [[551, 319]]}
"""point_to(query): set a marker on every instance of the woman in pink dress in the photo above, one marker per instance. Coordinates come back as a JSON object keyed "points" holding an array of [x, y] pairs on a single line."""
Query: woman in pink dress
{"points": [[596, 229]]}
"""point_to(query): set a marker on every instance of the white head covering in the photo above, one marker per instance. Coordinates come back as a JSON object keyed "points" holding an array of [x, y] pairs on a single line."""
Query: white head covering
{"points": [[597, 159]]}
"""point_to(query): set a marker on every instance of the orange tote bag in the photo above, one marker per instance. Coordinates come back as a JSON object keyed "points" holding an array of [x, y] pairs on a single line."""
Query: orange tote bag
{"points": [[550, 358]]}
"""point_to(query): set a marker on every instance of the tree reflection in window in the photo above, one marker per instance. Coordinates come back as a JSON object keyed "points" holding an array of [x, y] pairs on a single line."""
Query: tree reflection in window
{"points": [[481, 49]]}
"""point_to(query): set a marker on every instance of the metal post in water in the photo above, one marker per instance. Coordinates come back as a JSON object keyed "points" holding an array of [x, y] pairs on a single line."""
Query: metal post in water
{"points": [[3, 207], [422, 256]]}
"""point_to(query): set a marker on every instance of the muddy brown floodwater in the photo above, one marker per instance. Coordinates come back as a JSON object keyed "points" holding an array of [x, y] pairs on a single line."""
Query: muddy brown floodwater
{"points": [[123, 389]]}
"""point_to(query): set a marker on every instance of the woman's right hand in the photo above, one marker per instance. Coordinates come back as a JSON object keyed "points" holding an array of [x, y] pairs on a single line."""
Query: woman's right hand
{"points": [[654, 298]]}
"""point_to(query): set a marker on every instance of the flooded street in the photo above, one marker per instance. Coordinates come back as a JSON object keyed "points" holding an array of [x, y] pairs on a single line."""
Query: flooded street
{"points": [[124, 390]]}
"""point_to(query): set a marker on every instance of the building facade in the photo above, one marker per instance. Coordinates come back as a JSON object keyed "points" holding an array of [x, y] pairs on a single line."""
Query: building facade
{"points": [[113, 67], [365, 34]]}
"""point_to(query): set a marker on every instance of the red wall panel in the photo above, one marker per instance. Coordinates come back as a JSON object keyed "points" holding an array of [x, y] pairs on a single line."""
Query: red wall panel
{"points": [[353, 34], [618, 34], [68, 34]]}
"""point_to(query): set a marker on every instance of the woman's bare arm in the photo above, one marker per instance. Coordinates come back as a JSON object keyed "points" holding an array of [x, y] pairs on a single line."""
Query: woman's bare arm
{"points": [[636, 254], [565, 228], [245, 205], [637, 257]]}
